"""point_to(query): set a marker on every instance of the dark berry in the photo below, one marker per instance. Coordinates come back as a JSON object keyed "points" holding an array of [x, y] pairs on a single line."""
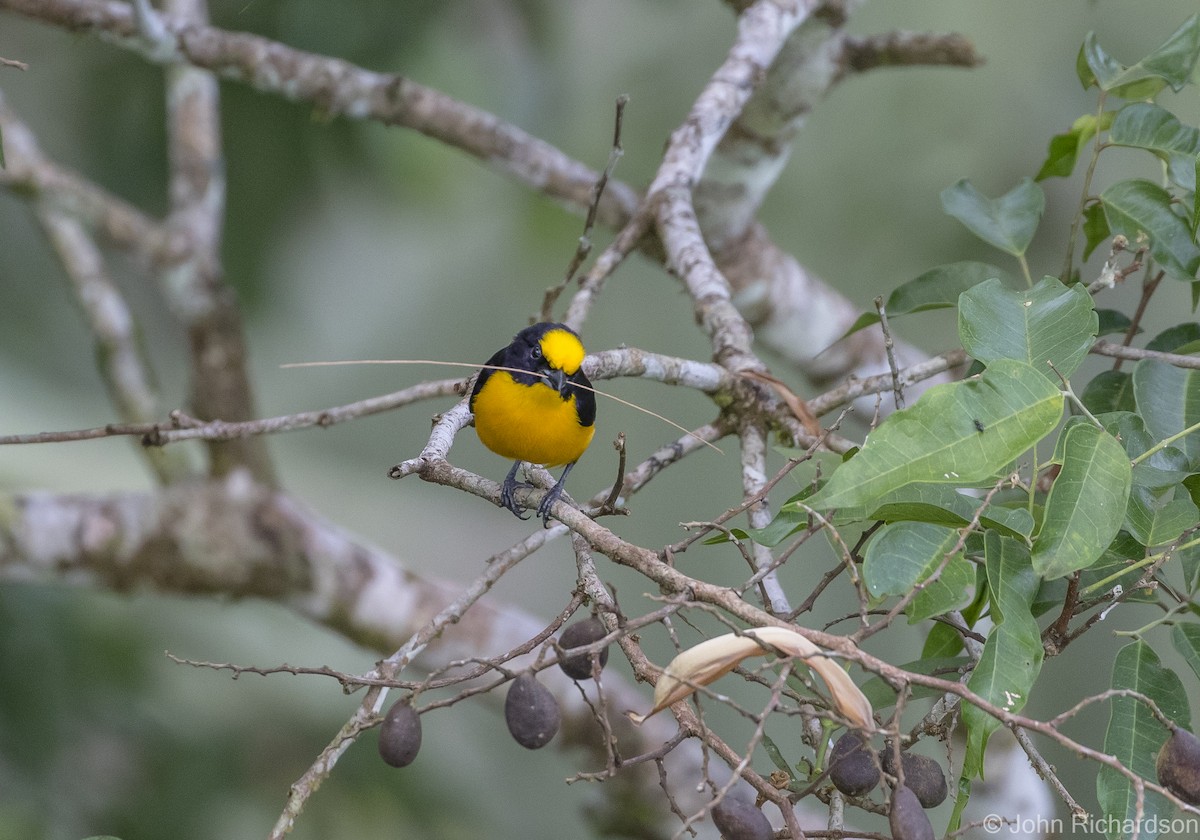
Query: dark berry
{"points": [[531, 712], [907, 818], [1178, 765], [581, 634], [852, 766], [400, 734], [737, 819]]}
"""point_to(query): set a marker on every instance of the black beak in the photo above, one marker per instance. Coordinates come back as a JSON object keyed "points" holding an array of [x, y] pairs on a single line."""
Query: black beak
{"points": [[557, 380]]}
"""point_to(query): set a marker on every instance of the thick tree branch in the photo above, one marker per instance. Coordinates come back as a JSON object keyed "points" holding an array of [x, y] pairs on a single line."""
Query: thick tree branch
{"points": [[792, 310]]}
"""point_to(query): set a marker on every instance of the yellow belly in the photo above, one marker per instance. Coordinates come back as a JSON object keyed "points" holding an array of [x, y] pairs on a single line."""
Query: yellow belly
{"points": [[529, 422]]}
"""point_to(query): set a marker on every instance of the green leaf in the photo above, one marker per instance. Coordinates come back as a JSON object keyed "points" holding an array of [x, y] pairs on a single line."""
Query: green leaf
{"points": [[773, 752], [1144, 125], [1159, 518], [1172, 64], [1140, 209], [1134, 737], [1086, 504], [1186, 638], [1065, 148], [1174, 339], [2, 165], [942, 641], [937, 288], [1176, 60], [1189, 562], [1195, 211], [943, 505], [1008, 222], [1049, 322], [787, 521], [1113, 321], [1095, 228], [1012, 654], [1165, 468], [1181, 169], [1168, 399], [951, 591], [1110, 390], [937, 440], [902, 554]]}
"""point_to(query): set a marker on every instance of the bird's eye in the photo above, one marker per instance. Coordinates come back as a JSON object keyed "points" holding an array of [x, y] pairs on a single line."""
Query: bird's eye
{"points": [[535, 352]]}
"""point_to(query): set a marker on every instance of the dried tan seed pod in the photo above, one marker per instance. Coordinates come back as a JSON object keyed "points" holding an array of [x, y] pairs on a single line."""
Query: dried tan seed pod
{"points": [[710, 660]]}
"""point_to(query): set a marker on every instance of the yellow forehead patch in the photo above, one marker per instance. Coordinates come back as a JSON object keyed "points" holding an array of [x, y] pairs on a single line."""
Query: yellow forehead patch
{"points": [[563, 351]]}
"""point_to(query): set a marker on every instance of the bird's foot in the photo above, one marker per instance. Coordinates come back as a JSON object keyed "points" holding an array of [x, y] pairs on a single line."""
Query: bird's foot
{"points": [[508, 488]]}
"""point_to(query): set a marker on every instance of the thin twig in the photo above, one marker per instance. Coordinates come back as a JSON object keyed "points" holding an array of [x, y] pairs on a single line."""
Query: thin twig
{"points": [[889, 348], [585, 239]]}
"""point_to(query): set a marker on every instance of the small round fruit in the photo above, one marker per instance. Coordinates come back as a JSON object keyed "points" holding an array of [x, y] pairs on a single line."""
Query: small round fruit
{"points": [[531, 712], [922, 775], [400, 734], [907, 818], [737, 819], [581, 634], [1178, 765], [852, 767]]}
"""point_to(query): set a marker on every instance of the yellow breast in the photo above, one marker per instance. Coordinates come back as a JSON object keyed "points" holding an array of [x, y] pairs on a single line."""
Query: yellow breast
{"points": [[529, 422]]}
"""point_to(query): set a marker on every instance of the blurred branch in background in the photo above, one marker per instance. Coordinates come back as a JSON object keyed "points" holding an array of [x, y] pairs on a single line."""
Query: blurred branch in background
{"points": [[796, 314]]}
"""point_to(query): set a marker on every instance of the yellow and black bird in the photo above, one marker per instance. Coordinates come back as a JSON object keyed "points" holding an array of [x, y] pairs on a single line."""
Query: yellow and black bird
{"points": [[541, 409]]}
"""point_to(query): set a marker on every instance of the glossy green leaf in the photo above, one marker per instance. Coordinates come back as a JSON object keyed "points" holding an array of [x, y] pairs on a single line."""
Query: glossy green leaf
{"points": [[941, 504], [1133, 737], [1195, 212], [787, 521], [1173, 64], [1065, 148], [1165, 468], [1174, 339], [1185, 636], [901, 554], [1086, 504], [1140, 209], [1189, 562], [1008, 222], [1159, 518], [1012, 654], [1168, 399], [937, 288], [1113, 321], [1109, 390], [1049, 322], [1095, 66], [1181, 171], [951, 591], [942, 642], [1095, 228], [937, 439], [1144, 125]]}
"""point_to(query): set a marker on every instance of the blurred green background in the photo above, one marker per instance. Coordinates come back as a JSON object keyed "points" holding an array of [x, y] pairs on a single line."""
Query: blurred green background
{"points": [[348, 240]]}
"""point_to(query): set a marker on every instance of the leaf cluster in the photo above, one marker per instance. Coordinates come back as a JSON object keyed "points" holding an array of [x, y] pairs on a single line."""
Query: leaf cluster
{"points": [[1021, 503]]}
